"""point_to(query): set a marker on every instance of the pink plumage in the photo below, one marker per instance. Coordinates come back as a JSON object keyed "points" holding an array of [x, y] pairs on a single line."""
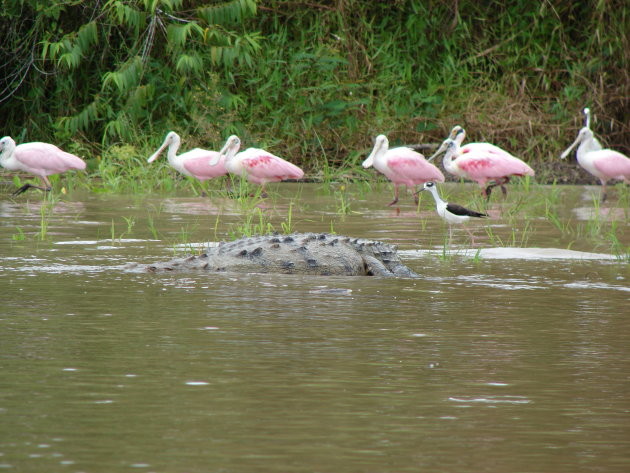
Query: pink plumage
{"points": [[194, 163], [257, 165], [612, 164], [44, 159], [605, 164], [480, 162], [402, 166], [487, 164], [37, 158], [405, 166], [263, 167]]}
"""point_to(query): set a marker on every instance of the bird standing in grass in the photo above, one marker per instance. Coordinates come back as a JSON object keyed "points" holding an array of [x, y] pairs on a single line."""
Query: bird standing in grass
{"points": [[605, 164], [480, 162], [401, 166], [257, 165], [37, 158], [193, 163], [452, 213]]}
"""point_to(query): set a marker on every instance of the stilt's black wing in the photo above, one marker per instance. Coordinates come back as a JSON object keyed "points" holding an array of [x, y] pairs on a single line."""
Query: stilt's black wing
{"points": [[463, 211]]}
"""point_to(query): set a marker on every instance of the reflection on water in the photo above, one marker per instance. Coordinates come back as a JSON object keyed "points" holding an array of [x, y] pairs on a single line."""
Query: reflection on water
{"points": [[524, 253], [510, 359]]}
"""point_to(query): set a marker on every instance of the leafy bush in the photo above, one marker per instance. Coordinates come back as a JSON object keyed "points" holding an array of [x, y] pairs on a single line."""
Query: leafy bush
{"points": [[317, 80]]}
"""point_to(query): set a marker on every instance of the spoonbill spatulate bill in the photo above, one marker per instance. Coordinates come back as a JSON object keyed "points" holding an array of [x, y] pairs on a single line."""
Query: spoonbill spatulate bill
{"points": [[256, 165], [402, 166], [604, 164], [36, 158], [452, 213], [194, 163], [480, 162]]}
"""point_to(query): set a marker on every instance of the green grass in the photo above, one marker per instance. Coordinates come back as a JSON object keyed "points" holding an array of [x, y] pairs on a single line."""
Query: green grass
{"points": [[315, 85], [555, 215], [20, 235]]}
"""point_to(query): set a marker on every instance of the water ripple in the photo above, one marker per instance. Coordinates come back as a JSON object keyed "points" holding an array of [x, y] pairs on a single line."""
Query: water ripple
{"points": [[492, 399]]}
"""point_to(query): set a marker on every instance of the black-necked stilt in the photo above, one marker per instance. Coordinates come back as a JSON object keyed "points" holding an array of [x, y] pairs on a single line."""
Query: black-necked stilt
{"points": [[452, 213]]}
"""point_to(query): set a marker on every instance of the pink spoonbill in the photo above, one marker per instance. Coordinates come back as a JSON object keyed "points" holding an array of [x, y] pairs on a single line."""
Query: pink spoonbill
{"points": [[480, 162], [194, 163], [605, 164], [401, 166], [257, 165], [39, 159]]}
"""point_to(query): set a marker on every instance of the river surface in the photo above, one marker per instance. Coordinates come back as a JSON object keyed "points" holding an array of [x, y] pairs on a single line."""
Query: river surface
{"points": [[512, 355]]}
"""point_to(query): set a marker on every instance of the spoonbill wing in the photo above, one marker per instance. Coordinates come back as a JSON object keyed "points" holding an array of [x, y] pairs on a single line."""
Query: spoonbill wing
{"points": [[198, 164], [410, 165], [611, 163], [262, 165], [47, 158], [493, 166]]}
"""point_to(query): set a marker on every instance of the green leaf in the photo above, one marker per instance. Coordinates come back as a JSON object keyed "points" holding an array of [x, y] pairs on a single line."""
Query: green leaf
{"points": [[188, 64]]}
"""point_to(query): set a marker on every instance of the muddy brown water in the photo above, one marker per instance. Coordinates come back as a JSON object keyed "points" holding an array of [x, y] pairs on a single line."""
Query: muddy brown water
{"points": [[502, 357]]}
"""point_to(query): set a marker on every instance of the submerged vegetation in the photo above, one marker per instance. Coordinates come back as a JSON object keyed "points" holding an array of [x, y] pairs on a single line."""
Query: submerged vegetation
{"points": [[530, 215], [312, 81]]}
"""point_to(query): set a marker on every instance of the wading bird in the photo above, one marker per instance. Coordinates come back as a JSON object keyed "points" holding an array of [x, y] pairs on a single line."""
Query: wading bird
{"points": [[605, 164], [401, 166], [452, 213], [39, 159], [194, 163], [257, 165], [595, 145], [480, 162]]}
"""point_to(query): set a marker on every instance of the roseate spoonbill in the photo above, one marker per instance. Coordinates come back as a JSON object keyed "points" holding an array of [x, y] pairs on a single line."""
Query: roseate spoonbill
{"points": [[39, 159], [257, 165], [452, 213], [480, 162], [605, 164], [194, 163], [401, 166], [587, 123]]}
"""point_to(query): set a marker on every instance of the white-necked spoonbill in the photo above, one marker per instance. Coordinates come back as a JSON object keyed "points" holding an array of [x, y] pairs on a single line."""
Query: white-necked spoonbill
{"points": [[257, 165], [480, 162], [402, 166], [194, 163], [605, 164], [452, 213], [36, 158]]}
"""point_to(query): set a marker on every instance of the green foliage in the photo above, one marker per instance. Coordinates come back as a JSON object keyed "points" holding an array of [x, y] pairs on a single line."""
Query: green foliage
{"points": [[316, 81], [107, 70], [226, 13]]}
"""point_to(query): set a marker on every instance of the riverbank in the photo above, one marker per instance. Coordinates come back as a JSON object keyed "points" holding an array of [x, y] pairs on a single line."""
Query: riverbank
{"points": [[317, 81]]}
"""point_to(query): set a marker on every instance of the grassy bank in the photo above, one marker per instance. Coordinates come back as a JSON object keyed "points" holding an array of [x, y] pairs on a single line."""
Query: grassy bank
{"points": [[315, 82]]}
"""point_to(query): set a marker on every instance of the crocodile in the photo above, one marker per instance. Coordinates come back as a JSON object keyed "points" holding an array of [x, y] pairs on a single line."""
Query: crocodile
{"points": [[298, 253]]}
